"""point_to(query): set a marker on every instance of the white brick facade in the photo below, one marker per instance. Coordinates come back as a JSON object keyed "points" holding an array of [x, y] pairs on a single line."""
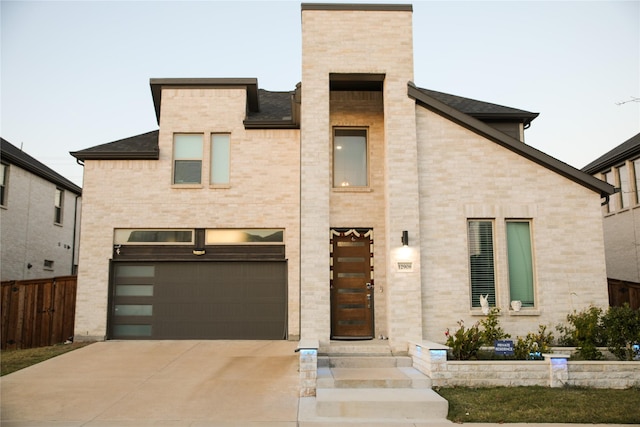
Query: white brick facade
{"points": [[427, 175]]}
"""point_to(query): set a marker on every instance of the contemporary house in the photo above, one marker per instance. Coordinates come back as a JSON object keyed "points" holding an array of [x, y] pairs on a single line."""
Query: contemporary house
{"points": [[621, 168], [40, 216], [355, 206]]}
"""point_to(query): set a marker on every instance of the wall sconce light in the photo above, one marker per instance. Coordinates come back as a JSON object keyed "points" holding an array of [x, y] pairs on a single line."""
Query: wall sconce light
{"points": [[405, 238]]}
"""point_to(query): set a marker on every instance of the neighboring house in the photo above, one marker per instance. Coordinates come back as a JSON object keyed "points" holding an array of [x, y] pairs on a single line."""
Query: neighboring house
{"points": [[356, 206], [40, 215], [621, 168]]}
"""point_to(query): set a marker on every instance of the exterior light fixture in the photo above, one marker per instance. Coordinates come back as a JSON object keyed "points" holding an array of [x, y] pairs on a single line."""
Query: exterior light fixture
{"points": [[405, 238]]}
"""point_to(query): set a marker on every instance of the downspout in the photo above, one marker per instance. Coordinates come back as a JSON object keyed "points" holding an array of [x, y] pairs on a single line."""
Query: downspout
{"points": [[73, 244], [75, 224]]}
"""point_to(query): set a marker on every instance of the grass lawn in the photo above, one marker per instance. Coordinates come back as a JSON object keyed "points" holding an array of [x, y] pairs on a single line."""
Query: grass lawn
{"points": [[542, 405], [14, 360]]}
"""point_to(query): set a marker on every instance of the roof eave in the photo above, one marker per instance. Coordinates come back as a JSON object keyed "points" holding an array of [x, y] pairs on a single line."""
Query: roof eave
{"points": [[270, 124], [598, 166], [537, 156], [116, 155], [515, 117], [42, 173]]}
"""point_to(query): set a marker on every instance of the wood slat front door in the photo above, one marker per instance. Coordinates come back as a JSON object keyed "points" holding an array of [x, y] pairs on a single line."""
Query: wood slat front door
{"points": [[351, 286]]}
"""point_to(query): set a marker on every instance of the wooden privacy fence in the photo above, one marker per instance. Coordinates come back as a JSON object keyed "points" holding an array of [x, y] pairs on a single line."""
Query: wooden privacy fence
{"points": [[37, 313], [621, 292]]}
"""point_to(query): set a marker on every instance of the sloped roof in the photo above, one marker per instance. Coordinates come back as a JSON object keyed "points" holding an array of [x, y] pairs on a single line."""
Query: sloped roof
{"points": [[484, 111], [267, 109], [13, 155], [140, 147], [627, 150], [275, 108], [515, 145]]}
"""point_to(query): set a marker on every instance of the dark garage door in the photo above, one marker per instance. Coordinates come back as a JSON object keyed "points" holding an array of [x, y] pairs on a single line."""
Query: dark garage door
{"points": [[198, 300]]}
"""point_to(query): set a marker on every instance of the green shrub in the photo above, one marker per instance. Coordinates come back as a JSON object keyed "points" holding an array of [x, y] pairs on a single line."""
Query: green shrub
{"points": [[622, 330], [586, 333], [491, 329], [464, 343], [533, 345]]}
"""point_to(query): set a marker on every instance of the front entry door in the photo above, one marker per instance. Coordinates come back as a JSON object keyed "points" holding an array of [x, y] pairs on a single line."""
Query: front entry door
{"points": [[351, 284]]}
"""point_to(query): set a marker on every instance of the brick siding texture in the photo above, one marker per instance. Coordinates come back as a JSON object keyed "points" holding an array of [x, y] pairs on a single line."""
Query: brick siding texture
{"points": [[263, 193]]}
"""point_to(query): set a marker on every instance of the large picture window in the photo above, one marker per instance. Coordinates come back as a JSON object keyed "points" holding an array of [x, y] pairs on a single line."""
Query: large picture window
{"points": [[350, 158], [519, 257], [481, 261], [187, 157], [220, 148]]}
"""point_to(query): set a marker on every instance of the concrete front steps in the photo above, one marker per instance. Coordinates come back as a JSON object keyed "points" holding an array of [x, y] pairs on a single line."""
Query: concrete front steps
{"points": [[365, 384]]}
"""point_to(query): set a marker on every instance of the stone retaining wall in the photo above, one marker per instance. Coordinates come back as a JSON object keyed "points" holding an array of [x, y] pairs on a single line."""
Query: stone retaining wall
{"points": [[555, 371]]}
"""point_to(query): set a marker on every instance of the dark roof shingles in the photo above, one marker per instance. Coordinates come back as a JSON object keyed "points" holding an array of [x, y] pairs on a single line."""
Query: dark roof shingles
{"points": [[13, 154], [626, 150]]}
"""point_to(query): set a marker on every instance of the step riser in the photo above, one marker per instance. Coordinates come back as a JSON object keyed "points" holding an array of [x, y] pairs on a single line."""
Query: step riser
{"points": [[388, 404], [378, 410], [379, 383], [364, 362]]}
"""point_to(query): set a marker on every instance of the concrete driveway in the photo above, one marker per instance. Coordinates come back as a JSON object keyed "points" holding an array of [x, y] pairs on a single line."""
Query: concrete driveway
{"points": [[158, 383]]}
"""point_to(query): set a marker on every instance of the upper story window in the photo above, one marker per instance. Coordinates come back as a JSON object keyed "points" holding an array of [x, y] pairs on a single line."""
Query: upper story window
{"points": [[350, 158], [636, 175], [187, 158], [58, 202], [4, 172], [625, 188], [609, 177], [220, 148], [626, 179]]}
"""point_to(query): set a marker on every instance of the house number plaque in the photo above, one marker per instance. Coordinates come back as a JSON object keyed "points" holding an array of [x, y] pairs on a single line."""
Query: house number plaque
{"points": [[405, 266]]}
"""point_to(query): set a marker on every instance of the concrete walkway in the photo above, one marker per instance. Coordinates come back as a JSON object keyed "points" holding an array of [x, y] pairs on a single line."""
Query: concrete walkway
{"points": [[168, 384]]}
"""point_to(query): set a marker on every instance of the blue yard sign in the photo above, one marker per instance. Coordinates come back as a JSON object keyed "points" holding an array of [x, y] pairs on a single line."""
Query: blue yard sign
{"points": [[503, 347]]}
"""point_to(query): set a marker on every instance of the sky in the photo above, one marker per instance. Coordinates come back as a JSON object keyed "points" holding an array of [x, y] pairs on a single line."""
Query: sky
{"points": [[76, 74]]}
